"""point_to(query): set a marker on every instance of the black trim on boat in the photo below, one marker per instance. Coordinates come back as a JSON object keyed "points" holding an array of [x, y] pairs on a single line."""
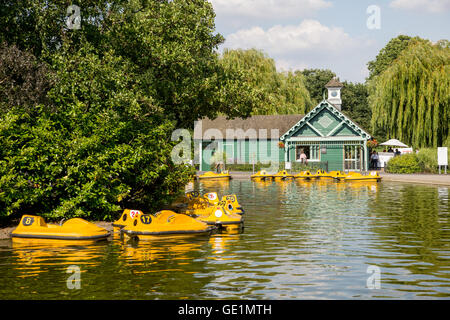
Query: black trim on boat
{"points": [[36, 236], [223, 223], [146, 233]]}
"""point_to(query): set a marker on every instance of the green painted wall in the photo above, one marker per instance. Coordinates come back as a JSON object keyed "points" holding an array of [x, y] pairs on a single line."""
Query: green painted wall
{"points": [[306, 131], [334, 156], [206, 156], [244, 151], [324, 122], [345, 130]]}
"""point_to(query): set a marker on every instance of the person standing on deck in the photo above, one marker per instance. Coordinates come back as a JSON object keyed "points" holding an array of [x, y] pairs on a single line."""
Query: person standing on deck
{"points": [[303, 157], [375, 160]]}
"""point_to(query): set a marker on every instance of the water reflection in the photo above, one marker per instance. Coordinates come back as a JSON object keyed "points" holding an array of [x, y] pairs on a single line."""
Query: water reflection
{"points": [[413, 232], [302, 240], [35, 256]]}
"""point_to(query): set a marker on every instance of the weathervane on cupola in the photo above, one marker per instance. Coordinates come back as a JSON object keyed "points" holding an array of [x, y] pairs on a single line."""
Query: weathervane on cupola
{"points": [[334, 92]]}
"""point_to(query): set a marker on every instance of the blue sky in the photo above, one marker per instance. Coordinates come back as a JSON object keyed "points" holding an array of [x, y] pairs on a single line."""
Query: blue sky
{"points": [[327, 34]]}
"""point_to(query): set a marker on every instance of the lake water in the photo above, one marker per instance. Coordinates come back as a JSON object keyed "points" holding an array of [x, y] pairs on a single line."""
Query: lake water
{"points": [[301, 240]]}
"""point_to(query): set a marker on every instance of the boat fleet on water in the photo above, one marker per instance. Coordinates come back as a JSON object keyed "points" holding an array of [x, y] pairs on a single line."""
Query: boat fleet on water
{"points": [[195, 215], [320, 174], [304, 175]]}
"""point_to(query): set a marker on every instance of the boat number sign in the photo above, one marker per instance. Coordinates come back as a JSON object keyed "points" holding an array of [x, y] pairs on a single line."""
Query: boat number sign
{"points": [[134, 213], [28, 221], [146, 219], [212, 196]]}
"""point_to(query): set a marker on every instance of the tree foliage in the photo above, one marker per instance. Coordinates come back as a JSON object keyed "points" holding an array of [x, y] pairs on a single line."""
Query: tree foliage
{"points": [[407, 163], [276, 92], [389, 54], [23, 80], [315, 81], [134, 72], [355, 104], [410, 99]]}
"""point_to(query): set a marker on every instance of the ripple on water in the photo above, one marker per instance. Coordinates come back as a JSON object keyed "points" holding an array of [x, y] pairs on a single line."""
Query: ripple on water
{"points": [[313, 240]]}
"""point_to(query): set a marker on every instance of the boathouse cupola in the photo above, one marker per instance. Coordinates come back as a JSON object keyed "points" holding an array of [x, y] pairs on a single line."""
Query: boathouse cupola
{"points": [[334, 87]]}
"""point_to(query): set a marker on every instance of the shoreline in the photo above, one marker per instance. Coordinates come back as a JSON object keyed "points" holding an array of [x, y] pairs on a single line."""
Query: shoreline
{"points": [[422, 178]]}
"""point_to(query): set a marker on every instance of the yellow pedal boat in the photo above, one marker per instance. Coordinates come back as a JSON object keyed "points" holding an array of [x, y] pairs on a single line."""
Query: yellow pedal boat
{"points": [[213, 175], [282, 175], [195, 201], [261, 176], [306, 175], [338, 175], [321, 174], [165, 223], [356, 176], [222, 215], [76, 229]]}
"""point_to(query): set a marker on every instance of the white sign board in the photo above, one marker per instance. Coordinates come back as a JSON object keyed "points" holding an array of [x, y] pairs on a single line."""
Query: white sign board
{"points": [[384, 157], [442, 157], [287, 165]]}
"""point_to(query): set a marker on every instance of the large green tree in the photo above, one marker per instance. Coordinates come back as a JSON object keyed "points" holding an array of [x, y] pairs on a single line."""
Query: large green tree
{"points": [[315, 81], [410, 99], [355, 104], [276, 92], [389, 54], [99, 138]]}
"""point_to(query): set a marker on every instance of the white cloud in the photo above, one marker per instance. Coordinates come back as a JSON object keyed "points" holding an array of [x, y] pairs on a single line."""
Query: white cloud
{"points": [[290, 65], [268, 9], [433, 6], [309, 35], [309, 44]]}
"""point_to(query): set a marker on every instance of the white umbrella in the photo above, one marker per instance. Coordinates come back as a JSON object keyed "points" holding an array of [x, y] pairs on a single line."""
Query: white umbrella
{"points": [[394, 143]]}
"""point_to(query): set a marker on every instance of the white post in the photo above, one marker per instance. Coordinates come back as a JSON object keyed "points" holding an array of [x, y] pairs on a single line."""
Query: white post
{"points": [[200, 152], [442, 158], [366, 168]]}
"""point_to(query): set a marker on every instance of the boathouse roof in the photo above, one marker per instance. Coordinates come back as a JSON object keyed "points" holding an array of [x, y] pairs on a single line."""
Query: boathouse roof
{"points": [[242, 126]]}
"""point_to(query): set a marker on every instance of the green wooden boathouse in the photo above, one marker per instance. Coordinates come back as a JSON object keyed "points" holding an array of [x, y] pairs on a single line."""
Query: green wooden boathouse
{"points": [[326, 135]]}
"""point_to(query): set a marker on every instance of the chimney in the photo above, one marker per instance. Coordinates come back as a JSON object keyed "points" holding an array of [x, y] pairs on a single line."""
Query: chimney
{"points": [[334, 87]]}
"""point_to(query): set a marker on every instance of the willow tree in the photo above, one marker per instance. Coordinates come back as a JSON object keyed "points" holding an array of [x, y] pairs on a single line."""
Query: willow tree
{"points": [[277, 92], [410, 99]]}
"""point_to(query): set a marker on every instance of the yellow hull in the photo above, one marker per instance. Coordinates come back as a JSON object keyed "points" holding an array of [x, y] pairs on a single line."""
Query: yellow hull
{"points": [[169, 236], [261, 176], [261, 179], [165, 223], [57, 243], [372, 177], [283, 178], [363, 179], [215, 176], [34, 227], [305, 175], [218, 216], [282, 175]]}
